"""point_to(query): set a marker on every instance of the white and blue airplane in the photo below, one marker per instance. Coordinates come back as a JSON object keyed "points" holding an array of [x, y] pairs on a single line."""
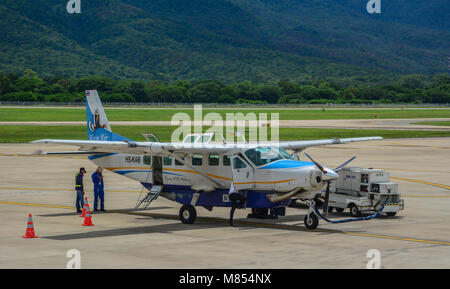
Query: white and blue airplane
{"points": [[198, 172]]}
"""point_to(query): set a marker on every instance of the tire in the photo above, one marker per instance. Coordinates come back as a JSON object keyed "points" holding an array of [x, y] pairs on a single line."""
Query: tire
{"points": [[260, 212], [339, 210], [312, 222], [330, 209], [391, 214], [354, 211], [187, 214]]}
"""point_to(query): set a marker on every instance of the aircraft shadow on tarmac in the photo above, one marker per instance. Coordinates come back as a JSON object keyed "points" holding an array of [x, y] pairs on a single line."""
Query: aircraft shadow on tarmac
{"points": [[163, 228], [107, 212], [202, 223]]}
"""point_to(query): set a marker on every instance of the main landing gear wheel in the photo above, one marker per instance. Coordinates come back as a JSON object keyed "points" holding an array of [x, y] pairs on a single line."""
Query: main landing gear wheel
{"points": [[260, 212], [312, 222], [188, 214]]}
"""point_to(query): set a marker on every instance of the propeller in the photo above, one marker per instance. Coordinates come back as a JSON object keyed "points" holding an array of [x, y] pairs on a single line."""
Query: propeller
{"points": [[327, 177], [344, 164]]}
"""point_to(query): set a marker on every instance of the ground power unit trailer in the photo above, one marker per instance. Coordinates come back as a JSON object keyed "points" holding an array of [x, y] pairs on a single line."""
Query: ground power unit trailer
{"points": [[361, 190]]}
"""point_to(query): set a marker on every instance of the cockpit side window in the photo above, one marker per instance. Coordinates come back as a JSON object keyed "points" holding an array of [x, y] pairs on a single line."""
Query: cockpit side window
{"points": [[285, 154], [238, 163], [263, 155]]}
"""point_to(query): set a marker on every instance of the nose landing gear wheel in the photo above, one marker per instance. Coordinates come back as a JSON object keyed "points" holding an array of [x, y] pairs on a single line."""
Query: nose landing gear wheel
{"points": [[312, 222], [187, 214]]}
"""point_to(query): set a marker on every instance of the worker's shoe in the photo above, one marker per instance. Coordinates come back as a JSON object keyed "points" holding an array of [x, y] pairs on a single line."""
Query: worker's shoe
{"points": [[103, 210], [78, 211]]}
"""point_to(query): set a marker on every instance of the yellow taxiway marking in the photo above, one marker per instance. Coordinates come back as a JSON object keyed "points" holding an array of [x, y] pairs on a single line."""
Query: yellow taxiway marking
{"points": [[422, 182], [267, 225]]}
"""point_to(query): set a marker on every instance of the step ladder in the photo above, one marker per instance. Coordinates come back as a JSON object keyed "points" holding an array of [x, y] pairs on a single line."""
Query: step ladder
{"points": [[150, 197]]}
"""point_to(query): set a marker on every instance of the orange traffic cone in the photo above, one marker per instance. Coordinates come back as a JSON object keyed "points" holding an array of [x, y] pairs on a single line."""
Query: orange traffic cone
{"points": [[30, 229], [88, 218]]}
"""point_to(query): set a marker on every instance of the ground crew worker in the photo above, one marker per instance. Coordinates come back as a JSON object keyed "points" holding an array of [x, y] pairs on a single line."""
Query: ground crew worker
{"points": [[237, 201], [97, 179], [79, 203]]}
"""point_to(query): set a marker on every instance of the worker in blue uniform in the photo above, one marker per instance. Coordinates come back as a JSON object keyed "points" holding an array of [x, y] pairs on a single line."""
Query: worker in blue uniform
{"points": [[79, 203], [97, 179]]}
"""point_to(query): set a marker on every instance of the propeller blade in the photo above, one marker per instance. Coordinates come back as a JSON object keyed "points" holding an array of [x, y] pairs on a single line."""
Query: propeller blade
{"points": [[344, 164], [327, 197], [321, 168]]}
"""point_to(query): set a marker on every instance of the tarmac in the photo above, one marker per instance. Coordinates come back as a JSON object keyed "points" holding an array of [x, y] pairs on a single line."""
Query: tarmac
{"points": [[418, 237]]}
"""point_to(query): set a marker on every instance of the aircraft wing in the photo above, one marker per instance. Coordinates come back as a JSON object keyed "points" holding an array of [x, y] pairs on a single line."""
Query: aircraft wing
{"points": [[301, 145], [161, 148]]}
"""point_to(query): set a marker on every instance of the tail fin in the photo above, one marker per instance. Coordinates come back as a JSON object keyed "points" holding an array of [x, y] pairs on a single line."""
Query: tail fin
{"points": [[97, 123]]}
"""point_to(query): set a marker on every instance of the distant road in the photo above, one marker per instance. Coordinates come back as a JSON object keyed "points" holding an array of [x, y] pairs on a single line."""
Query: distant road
{"points": [[380, 124]]}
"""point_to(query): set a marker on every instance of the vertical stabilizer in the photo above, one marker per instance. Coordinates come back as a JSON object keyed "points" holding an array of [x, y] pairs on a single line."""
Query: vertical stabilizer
{"points": [[97, 123]]}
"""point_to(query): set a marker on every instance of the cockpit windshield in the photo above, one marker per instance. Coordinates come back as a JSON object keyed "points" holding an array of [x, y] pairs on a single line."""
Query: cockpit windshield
{"points": [[263, 155]]}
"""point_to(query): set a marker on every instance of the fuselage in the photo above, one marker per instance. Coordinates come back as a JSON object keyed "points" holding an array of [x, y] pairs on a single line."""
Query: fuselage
{"points": [[182, 180]]}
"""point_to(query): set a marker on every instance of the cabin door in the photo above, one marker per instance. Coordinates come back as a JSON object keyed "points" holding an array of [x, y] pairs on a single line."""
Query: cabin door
{"points": [[243, 174], [157, 171]]}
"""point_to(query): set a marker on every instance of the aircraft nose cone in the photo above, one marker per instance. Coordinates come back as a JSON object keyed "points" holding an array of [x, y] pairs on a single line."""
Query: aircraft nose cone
{"points": [[330, 175]]}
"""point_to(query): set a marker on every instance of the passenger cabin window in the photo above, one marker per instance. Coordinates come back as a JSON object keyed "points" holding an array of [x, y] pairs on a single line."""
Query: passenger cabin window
{"points": [[197, 160], [177, 163], [213, 160], [147, 160], [238, 163], [167, 161], [226, 160]]}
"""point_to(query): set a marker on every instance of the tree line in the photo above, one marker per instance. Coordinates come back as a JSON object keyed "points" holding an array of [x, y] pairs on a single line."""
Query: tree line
{"points": [[413, 88]]}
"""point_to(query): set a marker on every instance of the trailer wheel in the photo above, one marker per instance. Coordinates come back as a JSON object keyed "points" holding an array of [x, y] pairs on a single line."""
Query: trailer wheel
{"points": [[354, 211], [312, 222], [188, 214], [391, 214], [339, 210]]}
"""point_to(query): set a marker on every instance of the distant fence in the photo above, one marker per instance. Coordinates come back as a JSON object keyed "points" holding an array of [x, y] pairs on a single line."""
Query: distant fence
{"points": [[233, 105]]}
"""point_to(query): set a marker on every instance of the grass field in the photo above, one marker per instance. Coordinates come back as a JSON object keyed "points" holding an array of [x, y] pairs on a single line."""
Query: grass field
{"points": [[26, 133], [79, 114], [438, 123]]}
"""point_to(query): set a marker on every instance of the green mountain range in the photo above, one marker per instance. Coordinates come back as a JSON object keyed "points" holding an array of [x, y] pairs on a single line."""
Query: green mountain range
{"points": [[226, 40]]}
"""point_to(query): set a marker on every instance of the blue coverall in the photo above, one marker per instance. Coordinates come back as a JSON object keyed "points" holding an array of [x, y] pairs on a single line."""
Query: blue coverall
{"points": [[97, 179], [79, 203]]}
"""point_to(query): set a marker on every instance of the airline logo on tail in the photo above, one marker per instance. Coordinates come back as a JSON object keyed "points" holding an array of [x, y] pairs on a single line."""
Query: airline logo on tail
{"points": [[96, 117]]}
